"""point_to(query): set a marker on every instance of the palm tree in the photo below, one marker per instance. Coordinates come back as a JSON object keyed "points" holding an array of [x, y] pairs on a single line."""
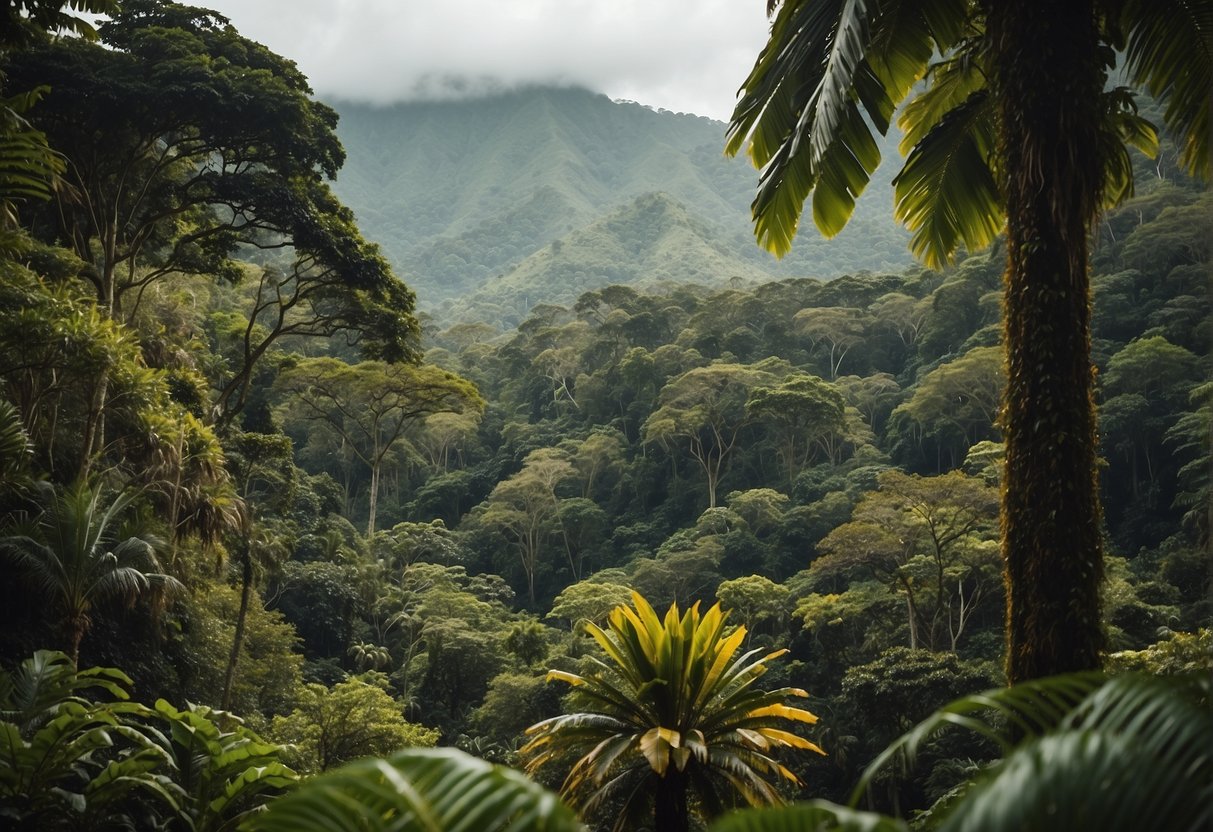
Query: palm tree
{"points": [[1015, 128], [73, 556], [673, 712]]}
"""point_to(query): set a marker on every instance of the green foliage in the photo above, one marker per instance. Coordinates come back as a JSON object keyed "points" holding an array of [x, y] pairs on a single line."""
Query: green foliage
{"points": [[1177, 654], [1140, 743], [369, 406], [76, 557], [72, 762], [141, 119], [755, 600], [67, 761], [355, 718], [513, 703], [588, 601], [930, 539], [430, 789], [705, 408], [224, 772], [957, 403], [268, 669]]}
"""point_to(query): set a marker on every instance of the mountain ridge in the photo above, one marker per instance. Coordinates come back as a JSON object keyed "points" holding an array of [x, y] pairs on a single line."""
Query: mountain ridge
{"points": [[461, 193]]}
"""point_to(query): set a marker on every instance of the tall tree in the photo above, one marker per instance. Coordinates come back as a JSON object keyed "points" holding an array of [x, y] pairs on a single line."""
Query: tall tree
{"points": [[525, 507], [799, 411], [706, 408], [187, 144], [370, 405], [672, 712], [1014, 125], [927, 538]]}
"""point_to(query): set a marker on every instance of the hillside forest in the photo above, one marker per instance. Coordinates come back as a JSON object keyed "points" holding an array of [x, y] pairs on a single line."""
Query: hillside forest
{"points": [[264, 511]]}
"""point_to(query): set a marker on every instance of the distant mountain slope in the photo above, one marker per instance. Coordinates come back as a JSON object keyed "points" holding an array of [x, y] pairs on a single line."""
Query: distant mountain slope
{"points": [[461, 193], [652, 240]]}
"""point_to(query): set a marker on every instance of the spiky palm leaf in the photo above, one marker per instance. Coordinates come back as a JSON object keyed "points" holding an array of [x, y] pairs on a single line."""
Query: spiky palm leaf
{"points": [[424, 789], [14, 441], [675, 703]]}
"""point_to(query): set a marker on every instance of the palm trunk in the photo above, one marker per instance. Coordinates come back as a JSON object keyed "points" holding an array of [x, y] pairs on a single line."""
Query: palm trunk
{"points": [[76, 627], [1048, 78], [670, 809]]}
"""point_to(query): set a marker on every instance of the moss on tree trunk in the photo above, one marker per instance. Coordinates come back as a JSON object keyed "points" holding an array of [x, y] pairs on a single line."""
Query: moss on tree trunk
{"points": [[1049, 76]]}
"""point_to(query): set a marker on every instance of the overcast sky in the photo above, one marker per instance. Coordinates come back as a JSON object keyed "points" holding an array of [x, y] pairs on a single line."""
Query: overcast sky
{"points": [[683, 55]]}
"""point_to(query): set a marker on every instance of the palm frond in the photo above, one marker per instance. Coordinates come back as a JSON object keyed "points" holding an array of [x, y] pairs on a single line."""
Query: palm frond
{"points": [[946, 193], [1082, 751], [812, 816], [1001, 714], [442, 790], [1169, 51], [830, 75], [1122, 128], [15, 448], [28, 166], [800, 115]]}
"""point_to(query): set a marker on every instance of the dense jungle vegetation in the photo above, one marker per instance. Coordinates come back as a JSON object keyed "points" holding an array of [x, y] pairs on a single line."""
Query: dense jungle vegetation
{"points": [[301, 523]]}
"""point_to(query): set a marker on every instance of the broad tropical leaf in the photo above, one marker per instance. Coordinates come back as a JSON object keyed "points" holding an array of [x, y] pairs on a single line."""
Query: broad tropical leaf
{"points": [[224, 772], [430, 789], [42, 683], [71, 762]]}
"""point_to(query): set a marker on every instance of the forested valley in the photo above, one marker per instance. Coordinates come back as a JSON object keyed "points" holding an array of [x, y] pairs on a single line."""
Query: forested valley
{"points": [[271, 519]]}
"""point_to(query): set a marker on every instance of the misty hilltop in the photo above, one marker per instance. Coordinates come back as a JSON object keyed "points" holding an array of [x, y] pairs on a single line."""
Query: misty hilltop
{"points": [[489, 205]]}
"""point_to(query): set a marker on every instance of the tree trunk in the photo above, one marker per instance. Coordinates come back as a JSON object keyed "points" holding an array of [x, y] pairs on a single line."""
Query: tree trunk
{"points": [[670, 809], [76, 627], [374, 501], [1048, 79], [246, 590]]}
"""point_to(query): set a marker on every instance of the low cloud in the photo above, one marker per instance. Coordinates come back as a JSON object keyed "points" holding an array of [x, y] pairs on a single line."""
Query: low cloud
{"points": [[684, 55]]}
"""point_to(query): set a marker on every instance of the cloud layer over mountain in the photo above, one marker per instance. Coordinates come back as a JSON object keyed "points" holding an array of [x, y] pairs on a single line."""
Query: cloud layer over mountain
{"points": [[676, 54]]}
